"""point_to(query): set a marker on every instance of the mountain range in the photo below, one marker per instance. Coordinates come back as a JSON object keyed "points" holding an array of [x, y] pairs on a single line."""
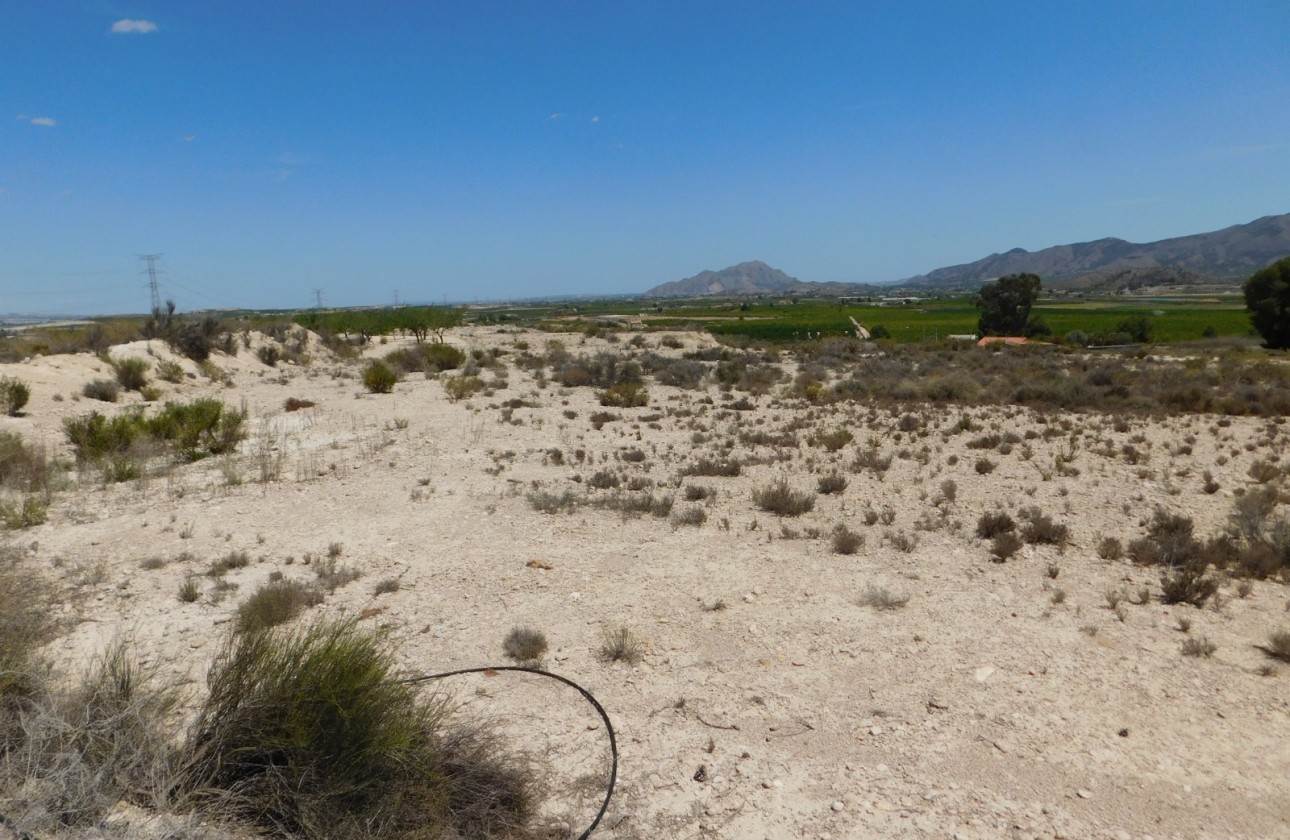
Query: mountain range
{"points": [[1215, 259]]}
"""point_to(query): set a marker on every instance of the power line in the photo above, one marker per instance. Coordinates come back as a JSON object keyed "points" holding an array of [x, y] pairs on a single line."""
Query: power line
{"points": [[318, 299]]}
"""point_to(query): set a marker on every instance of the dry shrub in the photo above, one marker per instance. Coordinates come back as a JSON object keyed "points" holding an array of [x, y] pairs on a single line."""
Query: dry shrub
{"points": [[621, 644], [993, 523], [846, 541], [525, 645], [881, 598], [277, 602], [84, 750], [310, 733], [782, 500], [1004, 545], [714, 468], [1040, 529], [831, 484], [1278, 646], [1109, 548]]}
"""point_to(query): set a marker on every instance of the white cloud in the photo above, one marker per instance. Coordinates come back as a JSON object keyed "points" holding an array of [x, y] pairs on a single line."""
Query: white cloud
{"points": [[595, 119], [557, 115], [47, 122], [190, 137], [126, 26]]}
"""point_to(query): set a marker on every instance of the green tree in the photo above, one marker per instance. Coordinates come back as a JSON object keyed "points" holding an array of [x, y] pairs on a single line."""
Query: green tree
{"points": [[1137, 327], [1005, 304], [1267, 296]]}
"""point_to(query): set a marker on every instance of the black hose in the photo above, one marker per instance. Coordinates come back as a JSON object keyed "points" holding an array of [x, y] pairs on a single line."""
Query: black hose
{"points": [[613, 741]]}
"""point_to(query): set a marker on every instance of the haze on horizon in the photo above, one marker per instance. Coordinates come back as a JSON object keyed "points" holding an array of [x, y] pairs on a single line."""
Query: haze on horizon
{"points": [[508, 150]]}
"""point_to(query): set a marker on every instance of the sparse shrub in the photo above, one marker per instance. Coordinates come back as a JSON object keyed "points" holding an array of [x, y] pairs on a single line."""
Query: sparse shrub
{"points": [[1188, 583], [832, 440], [984, 466], [332, 575], [1109, 548], [525, 645], [714, 468], [203, 427], [227, 563], [881, 598], [1264, 471], [379, 378], [624, 395], [14, 394], [869, 458], [276, 603], [31, 511], [265, 750], [1199, 646], [168, 370], [1278, 645], [993, 523], [270, 354], [697, 492], [604, 480], [387, 586], [693, 515], [131, 372], [846, 541], [902, 541], [831, 484], [1040, 529], [545, 501], [782, 500], [103, 390], [1004, 545], [1252, 512], [620, 644], [462, 386], [296, 404], [600, 418], [190, 591]]}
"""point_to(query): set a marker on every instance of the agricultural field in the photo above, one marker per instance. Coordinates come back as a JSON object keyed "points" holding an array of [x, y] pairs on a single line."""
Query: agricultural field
{"points": [[836, 589]]}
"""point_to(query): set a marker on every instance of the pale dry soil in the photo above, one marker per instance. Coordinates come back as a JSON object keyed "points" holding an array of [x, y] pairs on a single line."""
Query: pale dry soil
{"points": [[769, 702]]}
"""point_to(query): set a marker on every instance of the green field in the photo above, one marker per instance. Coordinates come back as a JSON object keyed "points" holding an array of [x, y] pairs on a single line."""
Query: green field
{"points": [[1172, 319]]}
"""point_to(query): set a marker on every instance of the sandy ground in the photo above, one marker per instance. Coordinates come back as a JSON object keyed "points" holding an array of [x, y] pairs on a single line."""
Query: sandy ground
{"points": [[989, 706]]}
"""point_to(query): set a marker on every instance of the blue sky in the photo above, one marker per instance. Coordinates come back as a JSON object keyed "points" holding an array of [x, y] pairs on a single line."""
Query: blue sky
{"points": [[497, 150]]}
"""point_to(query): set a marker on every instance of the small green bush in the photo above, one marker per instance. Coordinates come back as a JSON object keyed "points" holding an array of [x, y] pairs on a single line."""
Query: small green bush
{"points": [[169, 370], [312, 733], [131, 372], [203, 427], [23, 467], [31, 511], [378, 378], [276, 603], [462, 387], [14, 394], [846, 541]]}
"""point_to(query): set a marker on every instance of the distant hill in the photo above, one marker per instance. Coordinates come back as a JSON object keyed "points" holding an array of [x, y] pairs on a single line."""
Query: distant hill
{"points": [[751, 278], [1220, 257]]}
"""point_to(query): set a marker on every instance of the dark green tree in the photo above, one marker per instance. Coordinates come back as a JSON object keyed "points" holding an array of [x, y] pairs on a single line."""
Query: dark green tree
{"points": [[1267, 296], [1137, 327], [1005, 304]]}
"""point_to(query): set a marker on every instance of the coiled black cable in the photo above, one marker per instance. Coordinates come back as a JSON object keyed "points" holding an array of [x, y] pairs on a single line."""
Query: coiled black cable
{"points": [[600, 710]]}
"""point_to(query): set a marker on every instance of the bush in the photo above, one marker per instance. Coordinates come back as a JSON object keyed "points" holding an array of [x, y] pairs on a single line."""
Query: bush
{"points": [[881, 598], [1040, 529], [714, 468], [625, 395], [200, 428], [780, 499], [846, 541], [311, 733], [103, 390], [831, 484], [269, 354], [30, 512], [1188, 584], [22, 467], [25, 624], [169, 370], [693, 515], [462, 387], [1109, 548], [296, 404], [276, 603], [131, 372], [1267, 297], [1004, 545], [14, 394], [1278, 645], [993, 523], [620, 644], [378, 378], [525, 645]]}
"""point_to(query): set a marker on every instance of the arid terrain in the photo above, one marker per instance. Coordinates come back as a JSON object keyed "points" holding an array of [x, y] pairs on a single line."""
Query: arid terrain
{"points": [[850, 663]]}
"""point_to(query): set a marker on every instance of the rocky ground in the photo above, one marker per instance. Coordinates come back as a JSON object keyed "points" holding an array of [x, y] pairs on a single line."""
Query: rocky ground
{"points": [[784, 690]]}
